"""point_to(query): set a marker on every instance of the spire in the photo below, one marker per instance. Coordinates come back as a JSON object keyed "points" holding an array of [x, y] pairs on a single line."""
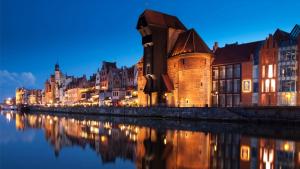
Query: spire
{"points": [[56, 67]]}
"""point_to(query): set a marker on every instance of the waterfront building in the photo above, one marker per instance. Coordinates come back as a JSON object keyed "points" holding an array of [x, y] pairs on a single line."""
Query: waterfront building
{"points": [[235, 74], [74, 90], [288, 73], [279, 62], [35, 97], [28, 96], [116, 85], [55, 87], [175, 65], [21, 96]]}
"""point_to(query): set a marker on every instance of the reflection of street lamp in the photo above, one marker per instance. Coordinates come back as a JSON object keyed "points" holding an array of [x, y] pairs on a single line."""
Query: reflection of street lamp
{"points": [[217, 94]]}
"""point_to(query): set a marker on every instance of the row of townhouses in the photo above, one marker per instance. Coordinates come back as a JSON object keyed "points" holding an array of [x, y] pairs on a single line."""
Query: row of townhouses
{"points": [[109, 86], [178, 69]]}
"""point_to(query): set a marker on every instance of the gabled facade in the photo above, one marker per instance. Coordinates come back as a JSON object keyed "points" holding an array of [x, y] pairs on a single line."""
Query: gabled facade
{"points": [[172, 58]]}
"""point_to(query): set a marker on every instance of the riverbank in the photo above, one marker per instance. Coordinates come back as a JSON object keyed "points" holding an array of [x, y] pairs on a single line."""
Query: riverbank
{"points": [[246, 114]]}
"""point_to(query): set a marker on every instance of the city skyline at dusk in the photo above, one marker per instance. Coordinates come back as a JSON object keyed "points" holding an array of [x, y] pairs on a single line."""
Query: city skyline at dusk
{"points": [[79, 36]]}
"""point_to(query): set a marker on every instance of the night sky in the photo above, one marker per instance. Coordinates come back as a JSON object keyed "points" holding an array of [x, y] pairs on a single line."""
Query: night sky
{"points": [[79, 34]]}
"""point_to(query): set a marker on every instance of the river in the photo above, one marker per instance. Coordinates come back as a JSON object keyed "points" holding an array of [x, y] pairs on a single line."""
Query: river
{"points": [[47, 140]]}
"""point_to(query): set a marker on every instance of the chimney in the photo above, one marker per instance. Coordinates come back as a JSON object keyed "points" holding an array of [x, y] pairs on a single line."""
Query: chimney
{"points": [[215, 47]]}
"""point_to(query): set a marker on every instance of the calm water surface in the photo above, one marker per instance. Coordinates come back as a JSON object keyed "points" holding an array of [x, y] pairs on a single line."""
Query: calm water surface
{"points": [[49, 141]]}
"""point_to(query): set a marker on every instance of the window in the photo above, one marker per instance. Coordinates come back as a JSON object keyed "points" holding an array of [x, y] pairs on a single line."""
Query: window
{"points": [[222, 100], [222, 86], [222, 72], [273, 85], [229, 71], [215, 86], [237, 71], [229, 86], [255, 87], [229, 100], [262, 86], [270, 71], [267, 85], [287, 86], [236, 100], [263, 71], [236, 86], [215, 73]]}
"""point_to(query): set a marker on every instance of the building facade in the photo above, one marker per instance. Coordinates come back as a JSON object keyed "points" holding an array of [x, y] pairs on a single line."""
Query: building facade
{"points": [[234, 75], [173, 56], [279, 74]]}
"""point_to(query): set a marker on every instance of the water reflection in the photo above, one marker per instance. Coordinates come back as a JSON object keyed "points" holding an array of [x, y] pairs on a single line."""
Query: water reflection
{"points": [[150, 148]]}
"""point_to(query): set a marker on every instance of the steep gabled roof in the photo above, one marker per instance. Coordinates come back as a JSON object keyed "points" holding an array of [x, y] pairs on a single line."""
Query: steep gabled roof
{"points": [[295, 31], [236, 53], [150, 17], [281, 35], [189, 42]]}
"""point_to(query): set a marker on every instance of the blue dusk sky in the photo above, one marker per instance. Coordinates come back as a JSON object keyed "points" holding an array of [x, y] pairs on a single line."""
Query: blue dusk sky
{"points": [[79, 34]]}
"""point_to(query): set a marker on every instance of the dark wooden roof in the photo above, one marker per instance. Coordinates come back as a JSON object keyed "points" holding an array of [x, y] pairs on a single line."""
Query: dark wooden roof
{"points": [[189, 42], [236, 53], [150, 17]]}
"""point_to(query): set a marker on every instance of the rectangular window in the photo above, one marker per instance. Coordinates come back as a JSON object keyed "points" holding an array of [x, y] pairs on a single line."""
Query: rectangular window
{"points": [[236, 86], [262, 86], [215, 73], [222, 72], [270, 71], [215, 86], [229, 86], [255, 87], [222, 100], [237, 71], [273, 85], [236, 100], [229, 71], [267, 85], [263, 71], [229, 100], [222, 86]]}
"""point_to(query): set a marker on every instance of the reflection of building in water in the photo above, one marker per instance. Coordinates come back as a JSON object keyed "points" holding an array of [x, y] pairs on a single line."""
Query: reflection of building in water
{"points": [[269, 154], [172, 149], [163, 149], [225, 151]]}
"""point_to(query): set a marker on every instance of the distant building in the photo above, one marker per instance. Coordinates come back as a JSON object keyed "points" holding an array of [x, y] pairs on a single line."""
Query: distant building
{"points": [[28, 96], [21, 96], [175, 65], [55, 87], [115, 84]]}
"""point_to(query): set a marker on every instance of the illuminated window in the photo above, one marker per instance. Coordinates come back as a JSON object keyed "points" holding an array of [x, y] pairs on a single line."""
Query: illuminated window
{"points": [[245, 153], [270, 71], [262, 87], [267, 85], [246, 86], [263, 71], [273, 85]]}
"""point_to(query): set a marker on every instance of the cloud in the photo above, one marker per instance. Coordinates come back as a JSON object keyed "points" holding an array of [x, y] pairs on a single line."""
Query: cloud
{"points": [[9, 81], [24, 79]]}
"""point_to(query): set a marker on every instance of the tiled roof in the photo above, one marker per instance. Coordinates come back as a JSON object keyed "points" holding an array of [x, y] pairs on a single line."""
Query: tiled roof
{"points": [[189, 42], [236, 53], [281, 35], [150, 17]]}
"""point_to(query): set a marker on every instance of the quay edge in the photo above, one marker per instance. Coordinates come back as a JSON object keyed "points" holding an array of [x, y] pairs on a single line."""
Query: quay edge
{"points": [[290, 115]]}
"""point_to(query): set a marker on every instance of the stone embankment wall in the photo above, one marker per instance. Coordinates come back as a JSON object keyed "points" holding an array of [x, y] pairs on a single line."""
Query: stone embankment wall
{"points": [[250, 114]]}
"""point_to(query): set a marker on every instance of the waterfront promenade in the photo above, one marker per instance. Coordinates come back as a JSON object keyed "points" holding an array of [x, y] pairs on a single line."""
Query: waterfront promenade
{"points": [[238, 114]]}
